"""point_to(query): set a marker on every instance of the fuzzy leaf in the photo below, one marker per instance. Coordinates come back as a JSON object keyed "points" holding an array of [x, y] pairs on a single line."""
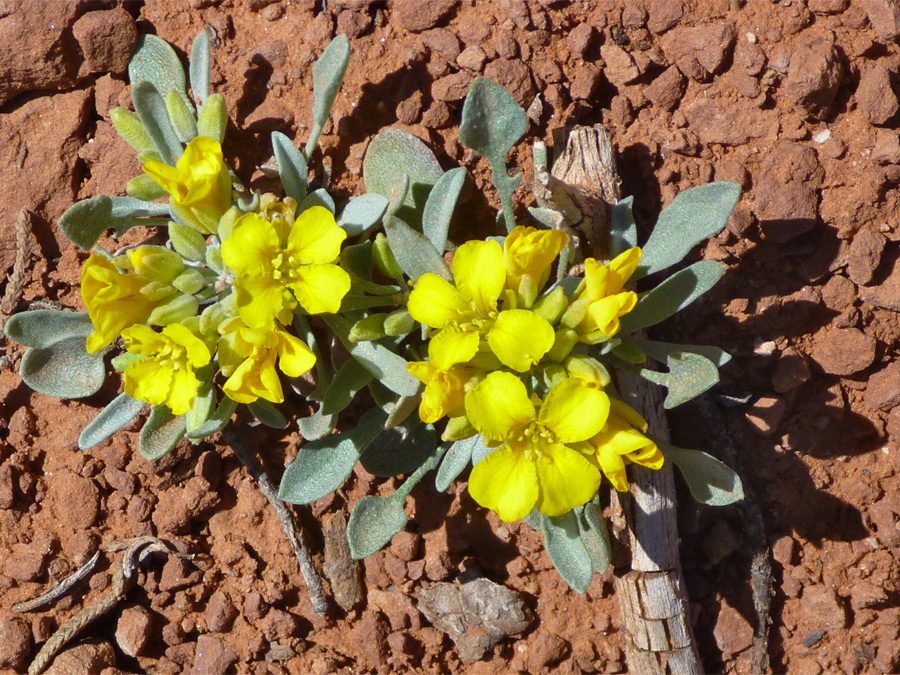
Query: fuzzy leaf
{"points": [[413, 251], [318, 197], [710, 481], [291, 166], [160, 433], [316, 426], [689, 376], [349, 379], [454, 463], [693, 216], [673, 295], [217, 421], [400, 450], [267, 413], [144, 188], [117, 414], [595, 537], [199, 66], [492, 123], [661, 350], [63, 369], [562, 540], [322, 466], [85, 221], [440, 205], [181, 116], [362, 213], [151, 109], [550, 219], [45, 327], [328, 73], [213, 118], [155, 61], [622, 228], [187, 241]]}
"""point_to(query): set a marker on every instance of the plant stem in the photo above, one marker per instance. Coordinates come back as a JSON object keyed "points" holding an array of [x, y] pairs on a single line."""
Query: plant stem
{"points": [[288, 521]]}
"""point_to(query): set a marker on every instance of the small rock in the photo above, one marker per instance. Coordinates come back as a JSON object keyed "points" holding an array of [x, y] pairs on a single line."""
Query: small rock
{"points": [[397, 607], [212, 657], [791, 371], [893, 424], [453, 87], [515, 76], [786, 210], [370, 637], [472, 58], [864, 594], [726, 122], [91, 657], [74, 499], [875, 96], [667, 89], [15, 643], [107, 39], [580, 39], [620, 66], [783, 550], [442, 42], [865, 255], [340, 567], [585, 82], [352, 23], [884, 15], [405, 545], [883, 388], [133, 630], [278, 625], [416, 16], [814, 75], [733, 633], [279, 652], [885, 295], [886, 150], [766, 414], [823, 608], [828, 6], [843, 351], [269, 116], [120, 480], [220, 612], [178, 573], [839, 293], [663, 15], [545, 650], [699, 51], [26, 561]]}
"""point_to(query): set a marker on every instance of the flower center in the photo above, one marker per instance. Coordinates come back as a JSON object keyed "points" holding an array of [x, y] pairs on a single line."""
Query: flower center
{"points": [[284, 267], [534, 436]]}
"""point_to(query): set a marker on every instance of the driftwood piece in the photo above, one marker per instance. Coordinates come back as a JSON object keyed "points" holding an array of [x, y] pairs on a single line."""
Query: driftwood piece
{"points": [[656, 626]]}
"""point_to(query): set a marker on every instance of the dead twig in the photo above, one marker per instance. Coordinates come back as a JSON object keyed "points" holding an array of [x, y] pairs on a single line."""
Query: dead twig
{"points": [[288, 521], [124, 578], [60, 589], [16, 283]]}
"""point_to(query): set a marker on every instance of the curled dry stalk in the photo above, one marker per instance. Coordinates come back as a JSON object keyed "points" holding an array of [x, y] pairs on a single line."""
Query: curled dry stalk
{"points": [[285, 516], [16, 283]]}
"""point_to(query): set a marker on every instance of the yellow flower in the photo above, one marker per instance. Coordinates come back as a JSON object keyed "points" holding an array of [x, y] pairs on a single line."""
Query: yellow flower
{"points": [[277, 268], [166, 373], [619, 444], [445, 374], [518, 337], [527, 256], [600, 302], [247, 357], [199, 186], [536, 467], [114, 300]]}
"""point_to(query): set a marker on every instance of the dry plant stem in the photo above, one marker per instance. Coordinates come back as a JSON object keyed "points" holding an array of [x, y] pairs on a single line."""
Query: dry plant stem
{"points": [[16, 282], [761, 578], [60, 589], [288, 521], [655, 615]]}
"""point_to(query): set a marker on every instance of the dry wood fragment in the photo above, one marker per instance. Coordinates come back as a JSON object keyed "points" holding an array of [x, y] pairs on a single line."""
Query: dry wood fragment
{"points": [[342, 570]]}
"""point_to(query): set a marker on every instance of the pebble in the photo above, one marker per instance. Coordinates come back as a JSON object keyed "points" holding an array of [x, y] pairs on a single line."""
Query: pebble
{"points": [[663, 15], [839, 293], [884, 15], [822, 607], [212, 656], [133, 630], [620, 66], [545, 650], [472, 58], [875, 96], [370, 637], [843, 351], [453, 87], [178, 573], [107, 39], [397, 607], [515, 76], [883, 388], [813, 638], [885, 295], [865, 255], [220, 612], [90, 657], [786, 210], [893, 424], [416, 16], [667, 89], [74, 500], [814, 74], [15, 643], [822, 137], [765, 415], [699, 51], [791, 371], [733, 633], [580, 39]]}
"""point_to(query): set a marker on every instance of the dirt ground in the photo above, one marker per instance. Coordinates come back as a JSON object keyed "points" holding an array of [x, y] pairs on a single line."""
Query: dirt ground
{"points": [[797, 100]]}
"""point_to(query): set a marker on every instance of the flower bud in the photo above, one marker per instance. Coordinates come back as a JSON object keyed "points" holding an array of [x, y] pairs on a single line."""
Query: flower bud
{"points": [[588, 369], [176, 310], [144, 187], [399, 322], [458, 428], [156, 263], [190, 281], [563, 343], [213, 118], [370, 328], [384, 259], [552, 305]]}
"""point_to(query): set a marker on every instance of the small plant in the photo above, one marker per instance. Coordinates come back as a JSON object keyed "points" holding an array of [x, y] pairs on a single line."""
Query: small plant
{"points": [[504, 362]]}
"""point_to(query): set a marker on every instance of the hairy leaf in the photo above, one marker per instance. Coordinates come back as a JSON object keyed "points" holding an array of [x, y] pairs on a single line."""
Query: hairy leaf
{"points": [[562, 539], [362, 213], [291, 166], [328, 73], [710, 481], [689, 376], [155, 61], [199, 66], [415, 254], [440, 205], [151, 109], [116, 415], [85, 221], [454, 463], [44, 327], [622, 228]]}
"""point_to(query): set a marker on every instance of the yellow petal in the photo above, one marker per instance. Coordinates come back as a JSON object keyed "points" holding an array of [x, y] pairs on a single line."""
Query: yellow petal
{"points": [[444, 395], [505, 482], [530, 252], [141, 339], [197, 352], [436, 302], [320, 288], [622, 267], [520, 338], [424, 371], [294, 355], [315, 238], [146, 380], [259, 298], [613, 466], [182, 391], [252, 246], [565, 478], [574, 411], [479, 273], [255, 378], [499, 406], [165, 176], [596, 279], [452, 346], [626, 412]]}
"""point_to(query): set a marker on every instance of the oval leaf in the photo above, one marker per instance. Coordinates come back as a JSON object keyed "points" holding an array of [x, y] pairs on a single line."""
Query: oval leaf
{"points": [[661, 350], [622, 228], [63, 369], [318, 197], [373, 522], [362, 213], [349, 379], [595, 537], [155, 61], [440, 206], [217, 421], [291, 166], [693, 216], [118, 414], [562, 539], [45, 327], [267, 413], [316, 426], [400, 450], [328, 73], [710, 481], [415, 254], [161, 433], [151, 109], [199, 66], [454, 462]]}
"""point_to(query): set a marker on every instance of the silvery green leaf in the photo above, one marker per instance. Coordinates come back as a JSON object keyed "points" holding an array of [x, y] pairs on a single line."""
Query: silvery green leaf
{"points": [[661, 350], [151, 109], [213, 118], [204, 402], [405, 407], [199, 66], [673, 295], [144, 188], [217, 421], [63, 369], [479, 449], [710, 481], [116, 415], [187, 241], [349, 379], [440, 205], [160, 433], [392, 153], [323, 465], [547, 218], [155, 61], [454, 463], [267, 413], [693, 216], [492, 123], [562, 540], [181, 116], [415, 254], [291, 166], [689, 376], [45, 327], [362, 213], [132, 131], [319, 197], [85, 221], [399, 450], [328, 73], [316, 426], [622, 228], [595, 537]]}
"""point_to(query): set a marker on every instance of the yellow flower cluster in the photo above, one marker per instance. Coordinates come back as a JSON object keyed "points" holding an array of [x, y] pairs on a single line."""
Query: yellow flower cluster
{"points": [[491, 328], [275, 261]]}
